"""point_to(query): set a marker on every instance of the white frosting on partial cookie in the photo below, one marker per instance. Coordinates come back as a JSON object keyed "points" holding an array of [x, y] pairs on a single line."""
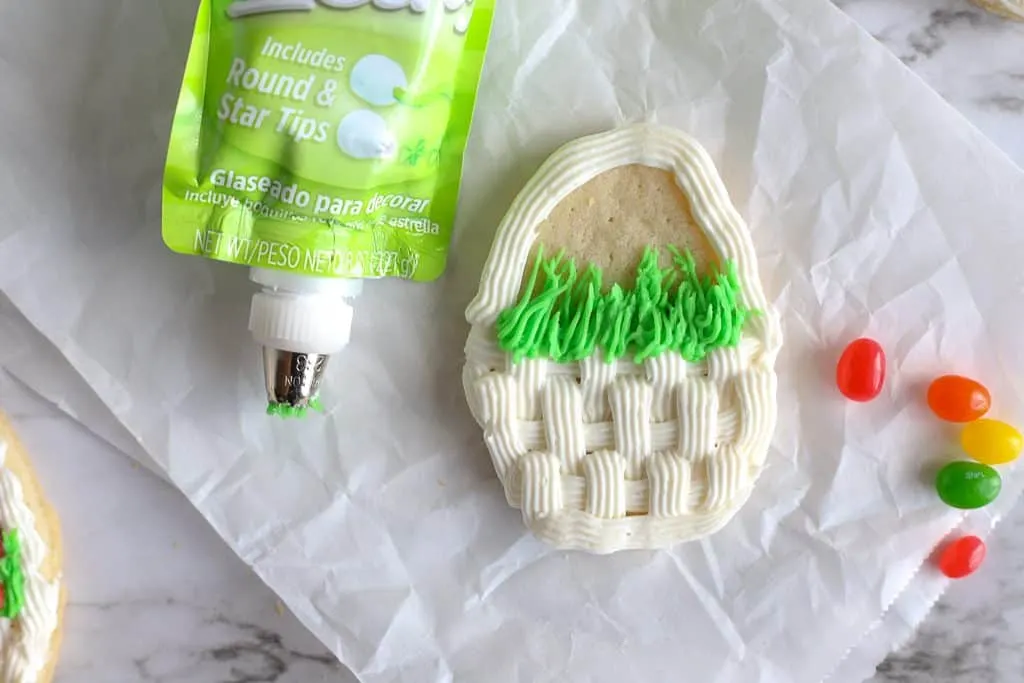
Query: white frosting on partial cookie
{"points": [[608, 456], [25, 641]]}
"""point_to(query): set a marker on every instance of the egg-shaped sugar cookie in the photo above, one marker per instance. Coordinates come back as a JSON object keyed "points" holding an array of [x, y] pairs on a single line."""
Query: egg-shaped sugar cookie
{"points": [[621, 353]]}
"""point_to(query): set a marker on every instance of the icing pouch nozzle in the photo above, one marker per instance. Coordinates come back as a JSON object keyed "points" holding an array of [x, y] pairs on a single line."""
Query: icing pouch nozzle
{"points": [[293, 380], [300, 322]]}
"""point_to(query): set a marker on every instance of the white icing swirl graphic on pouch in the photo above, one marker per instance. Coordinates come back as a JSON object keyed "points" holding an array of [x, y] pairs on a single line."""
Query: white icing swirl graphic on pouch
{"points": [[364, 134], [375, 78]]}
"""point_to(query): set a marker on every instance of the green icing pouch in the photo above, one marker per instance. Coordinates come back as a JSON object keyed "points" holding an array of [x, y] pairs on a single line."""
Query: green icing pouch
{"points": [[320, 142]]}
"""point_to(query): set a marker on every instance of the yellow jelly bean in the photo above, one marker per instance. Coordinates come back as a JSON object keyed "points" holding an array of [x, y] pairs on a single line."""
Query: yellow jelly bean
{"points": [[991, 442]]}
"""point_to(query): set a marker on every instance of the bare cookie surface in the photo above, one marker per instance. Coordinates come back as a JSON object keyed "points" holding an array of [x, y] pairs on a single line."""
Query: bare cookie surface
{"points": [[614, 217]]}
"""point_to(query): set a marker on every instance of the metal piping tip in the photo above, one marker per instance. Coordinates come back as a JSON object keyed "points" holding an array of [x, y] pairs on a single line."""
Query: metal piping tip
{"points": [[293, 379]]}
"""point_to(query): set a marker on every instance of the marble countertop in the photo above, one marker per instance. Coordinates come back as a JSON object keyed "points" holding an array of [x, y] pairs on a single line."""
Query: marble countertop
{"points": [[155, 595], [975, 634], [190, 610]]}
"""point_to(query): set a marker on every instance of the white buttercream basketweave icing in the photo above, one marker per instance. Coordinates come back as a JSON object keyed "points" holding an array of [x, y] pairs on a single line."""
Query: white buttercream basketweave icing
{"points": [[25, 641], [610, 456]]}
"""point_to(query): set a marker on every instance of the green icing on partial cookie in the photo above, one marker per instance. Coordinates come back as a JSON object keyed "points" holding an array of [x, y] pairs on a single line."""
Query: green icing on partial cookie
{"points": [[12, 577], [285, 410], [569, 316]]}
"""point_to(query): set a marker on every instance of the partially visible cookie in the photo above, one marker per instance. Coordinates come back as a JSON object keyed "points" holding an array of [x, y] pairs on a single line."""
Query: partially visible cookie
{"points": [[32, 594], [1009, 9], [621, 355]]}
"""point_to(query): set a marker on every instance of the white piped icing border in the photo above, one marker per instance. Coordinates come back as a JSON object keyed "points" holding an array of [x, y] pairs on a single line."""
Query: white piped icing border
{"points": [[25, 650], [606, 457]]}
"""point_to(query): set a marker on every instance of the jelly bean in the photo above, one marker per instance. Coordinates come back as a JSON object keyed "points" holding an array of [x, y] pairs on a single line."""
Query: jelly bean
{"points": [[861, 370], [991, 442], [958, 399], [967, 485], [962, 557]]}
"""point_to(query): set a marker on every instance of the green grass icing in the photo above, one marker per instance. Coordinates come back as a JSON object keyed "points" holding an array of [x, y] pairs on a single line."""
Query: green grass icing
{"points": [[12, 576], [567, 315]]}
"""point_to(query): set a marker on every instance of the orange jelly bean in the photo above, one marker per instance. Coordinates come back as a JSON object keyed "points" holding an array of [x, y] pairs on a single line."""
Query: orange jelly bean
{"points": [[958, 399], [962, 557]]}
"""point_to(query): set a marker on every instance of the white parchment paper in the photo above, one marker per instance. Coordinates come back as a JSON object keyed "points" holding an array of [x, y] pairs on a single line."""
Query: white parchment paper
{"points": [[875, 210]]}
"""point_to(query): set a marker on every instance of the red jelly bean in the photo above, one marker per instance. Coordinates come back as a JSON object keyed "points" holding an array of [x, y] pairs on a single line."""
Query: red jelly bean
{"points": [[861, 370], [958, 399], [962, 557]]}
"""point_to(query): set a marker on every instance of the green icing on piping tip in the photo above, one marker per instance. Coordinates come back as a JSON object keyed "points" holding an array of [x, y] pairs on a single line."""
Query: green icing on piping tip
{"points": [[12, 576], [569, 316], [285, 410]]}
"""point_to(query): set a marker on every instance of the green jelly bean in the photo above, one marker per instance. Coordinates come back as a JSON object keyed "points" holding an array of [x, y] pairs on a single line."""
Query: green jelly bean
{"points": [[968, 485]]}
